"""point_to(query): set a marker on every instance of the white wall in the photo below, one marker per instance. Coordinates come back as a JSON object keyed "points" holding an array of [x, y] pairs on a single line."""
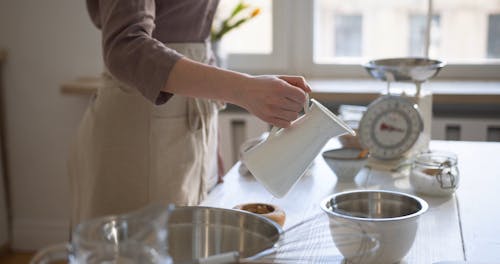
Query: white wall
{"points": [[48, 42]]}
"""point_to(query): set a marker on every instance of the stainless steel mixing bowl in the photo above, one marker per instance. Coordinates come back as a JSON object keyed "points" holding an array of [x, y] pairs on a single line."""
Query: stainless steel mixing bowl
{"points": [[196, 232], [404, 69], [391, 218]]}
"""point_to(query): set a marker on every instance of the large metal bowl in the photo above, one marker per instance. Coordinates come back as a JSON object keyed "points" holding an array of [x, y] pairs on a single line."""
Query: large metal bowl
{"points": [[389, 217], [198, 232], [404, 69]]}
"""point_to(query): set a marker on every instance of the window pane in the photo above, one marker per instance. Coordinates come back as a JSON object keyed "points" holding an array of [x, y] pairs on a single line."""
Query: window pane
{"points": [[463, 31], [418, 25], [255, 35], [494, 36], [347, 35]]}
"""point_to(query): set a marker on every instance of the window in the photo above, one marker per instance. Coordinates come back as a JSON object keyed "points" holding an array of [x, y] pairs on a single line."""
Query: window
{"points": [[331, 38], [417, 30], [371, 28], [242, 39], [494, 36], [347, 35], [257, 46]]}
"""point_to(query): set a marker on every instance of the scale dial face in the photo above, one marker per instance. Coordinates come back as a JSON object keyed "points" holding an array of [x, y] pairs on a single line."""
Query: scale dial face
{"points": [[390, 126]]}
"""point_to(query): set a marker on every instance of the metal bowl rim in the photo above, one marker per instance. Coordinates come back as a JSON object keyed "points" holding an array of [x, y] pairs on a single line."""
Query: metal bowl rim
{"points": [[422, 202], [278, 227], [325, 153], [372, 64]]}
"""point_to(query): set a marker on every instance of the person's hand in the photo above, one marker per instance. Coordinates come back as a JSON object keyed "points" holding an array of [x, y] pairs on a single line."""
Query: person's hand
{"points": [[275, 99]]}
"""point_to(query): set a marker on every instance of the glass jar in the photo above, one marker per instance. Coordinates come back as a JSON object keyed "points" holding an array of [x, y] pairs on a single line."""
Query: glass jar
{"points": [[435, 173]]}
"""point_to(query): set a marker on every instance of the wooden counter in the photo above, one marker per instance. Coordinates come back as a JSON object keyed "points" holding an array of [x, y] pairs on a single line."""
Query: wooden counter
{"points": [[463, 227], [358, 91]]}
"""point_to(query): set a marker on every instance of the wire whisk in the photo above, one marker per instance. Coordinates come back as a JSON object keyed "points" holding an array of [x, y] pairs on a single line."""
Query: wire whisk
{"points": [[309, 241]]}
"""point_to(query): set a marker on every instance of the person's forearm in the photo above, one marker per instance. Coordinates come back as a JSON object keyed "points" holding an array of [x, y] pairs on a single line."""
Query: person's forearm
{"points": [[274, 99], [193, 79]]}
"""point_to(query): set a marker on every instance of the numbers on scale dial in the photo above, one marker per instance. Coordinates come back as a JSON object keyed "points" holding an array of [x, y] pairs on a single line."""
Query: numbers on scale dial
{"points": [[390, 126]]}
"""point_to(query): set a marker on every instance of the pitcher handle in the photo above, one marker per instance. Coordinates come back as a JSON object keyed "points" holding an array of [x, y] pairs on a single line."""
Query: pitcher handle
{"points": [[275, 129], [58, 252]]}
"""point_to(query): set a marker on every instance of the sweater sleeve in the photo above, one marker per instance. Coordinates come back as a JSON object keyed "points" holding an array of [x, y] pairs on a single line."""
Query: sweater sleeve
{"points": [[130, 52]]}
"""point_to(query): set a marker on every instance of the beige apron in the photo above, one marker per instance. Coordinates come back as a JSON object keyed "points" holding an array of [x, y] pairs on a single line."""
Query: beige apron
{"points": [[130, 153]]}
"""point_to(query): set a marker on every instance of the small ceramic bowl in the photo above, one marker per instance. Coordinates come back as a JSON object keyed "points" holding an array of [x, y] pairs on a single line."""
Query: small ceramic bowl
{"points": [[269, 211], [345, 162]]}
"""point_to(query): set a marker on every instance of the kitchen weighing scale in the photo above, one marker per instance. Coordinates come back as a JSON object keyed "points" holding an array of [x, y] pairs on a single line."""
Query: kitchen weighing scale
{"points": [[398, 123]]}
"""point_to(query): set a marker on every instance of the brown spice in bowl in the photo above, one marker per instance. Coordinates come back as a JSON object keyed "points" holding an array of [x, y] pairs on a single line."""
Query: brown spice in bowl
{"points": [[258, 208], [269, 211]]}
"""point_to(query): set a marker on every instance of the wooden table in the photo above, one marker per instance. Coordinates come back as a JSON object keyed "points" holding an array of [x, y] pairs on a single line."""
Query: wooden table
{"points": [[463, 227]]}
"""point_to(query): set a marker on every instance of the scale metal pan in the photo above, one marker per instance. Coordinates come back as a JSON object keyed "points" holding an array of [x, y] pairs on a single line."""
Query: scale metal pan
{"points": [[404, 69]]}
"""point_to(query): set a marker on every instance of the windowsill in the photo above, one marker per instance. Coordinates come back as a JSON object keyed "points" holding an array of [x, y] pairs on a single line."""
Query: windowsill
{"points": [[363, 91], [359, 91]]}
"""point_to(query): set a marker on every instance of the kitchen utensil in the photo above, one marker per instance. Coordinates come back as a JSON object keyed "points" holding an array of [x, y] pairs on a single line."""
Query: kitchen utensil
{"points": [[247, 145], [348, 140], [270, 211], [351, 115], [138, 237], [390, 127], [435, 173], [252, 142], [404, 69], [345, 162], [390, 217], [197, 232], [280, 160], [308, 241], [415, 136]]}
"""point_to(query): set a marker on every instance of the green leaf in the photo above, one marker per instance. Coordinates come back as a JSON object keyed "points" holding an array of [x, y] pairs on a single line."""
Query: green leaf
{"points": [[240, 7]]}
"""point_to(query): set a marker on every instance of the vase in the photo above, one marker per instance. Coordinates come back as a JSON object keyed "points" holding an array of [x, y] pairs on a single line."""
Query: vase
{"points": [[219, 54]]}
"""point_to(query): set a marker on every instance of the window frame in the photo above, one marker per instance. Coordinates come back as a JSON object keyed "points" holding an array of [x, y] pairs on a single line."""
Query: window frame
{"points": [[292, 53]]}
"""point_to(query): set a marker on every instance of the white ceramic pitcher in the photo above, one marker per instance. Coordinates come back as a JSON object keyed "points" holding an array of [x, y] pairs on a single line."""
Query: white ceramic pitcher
{"points": [[279, 161]]}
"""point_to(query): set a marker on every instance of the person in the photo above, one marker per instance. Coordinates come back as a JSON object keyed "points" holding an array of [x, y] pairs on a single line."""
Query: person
{"points": [[149, 134]]}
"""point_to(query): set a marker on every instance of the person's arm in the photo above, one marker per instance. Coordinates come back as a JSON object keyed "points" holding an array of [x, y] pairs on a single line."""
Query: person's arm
{"points": [[130, 52], [274, 99], [138, 60]]}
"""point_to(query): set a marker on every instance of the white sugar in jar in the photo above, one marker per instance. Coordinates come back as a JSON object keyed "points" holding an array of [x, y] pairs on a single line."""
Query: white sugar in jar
{"points": [[435, 173]]}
